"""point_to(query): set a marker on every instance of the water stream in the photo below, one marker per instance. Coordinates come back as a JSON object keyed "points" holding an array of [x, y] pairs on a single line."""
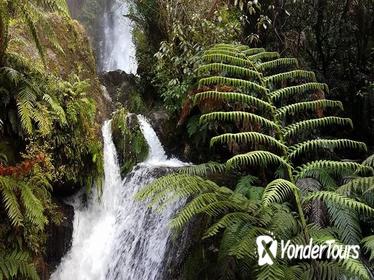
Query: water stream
{"points": [[118, 237]]}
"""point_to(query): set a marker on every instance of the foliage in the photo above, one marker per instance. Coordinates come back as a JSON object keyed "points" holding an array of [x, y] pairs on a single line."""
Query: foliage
{"points": [[281, 150]]}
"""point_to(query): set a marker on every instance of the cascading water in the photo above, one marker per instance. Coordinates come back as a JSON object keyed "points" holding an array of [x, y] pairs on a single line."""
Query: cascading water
{"points": [[117, 49], [118, 237]]}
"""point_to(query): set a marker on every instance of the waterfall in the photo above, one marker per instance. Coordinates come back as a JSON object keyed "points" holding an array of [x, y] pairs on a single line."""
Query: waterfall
{"points": [[118, 237], [117, 48]]}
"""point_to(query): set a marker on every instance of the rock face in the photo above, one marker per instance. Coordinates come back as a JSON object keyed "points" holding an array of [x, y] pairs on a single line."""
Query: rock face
{"points": [[59, 237]]}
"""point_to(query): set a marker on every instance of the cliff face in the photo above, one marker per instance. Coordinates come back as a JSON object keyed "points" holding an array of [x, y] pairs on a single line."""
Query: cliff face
{"points": [[67, 52]]}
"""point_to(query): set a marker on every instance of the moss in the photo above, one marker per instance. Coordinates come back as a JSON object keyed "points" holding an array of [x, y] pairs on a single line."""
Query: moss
{"points": [[128, 138]]}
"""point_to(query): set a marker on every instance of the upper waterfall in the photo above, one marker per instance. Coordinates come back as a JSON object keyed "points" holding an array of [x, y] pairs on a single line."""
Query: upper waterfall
{"points": [[118, 49]]}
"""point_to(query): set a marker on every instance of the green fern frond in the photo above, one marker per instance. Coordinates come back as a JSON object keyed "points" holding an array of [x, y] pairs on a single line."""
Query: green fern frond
{"points": [[204, 169], [33, 206], [334, 166], [369, 161], [364, 184], [340, 200], [12, 207], [237, 116], [238, 83], [223, 58], [326, 270], [285, 76], [257, 158], [294, 90], [309, 125], [354, 268], [368, 245], [331, 144], [253, 51], [234, 97], [308, 105], [277, 191], [277, 63], [223, 51], [248, 137], [263, 55], [242, 72], [17, 264]]}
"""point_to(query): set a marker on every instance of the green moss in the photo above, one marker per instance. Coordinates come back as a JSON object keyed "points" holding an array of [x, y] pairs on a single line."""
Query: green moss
{"points": [[128, 138]]}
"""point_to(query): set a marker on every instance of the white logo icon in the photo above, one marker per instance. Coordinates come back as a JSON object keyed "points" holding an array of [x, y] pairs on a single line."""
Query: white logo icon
{"points": [[266, 249]]}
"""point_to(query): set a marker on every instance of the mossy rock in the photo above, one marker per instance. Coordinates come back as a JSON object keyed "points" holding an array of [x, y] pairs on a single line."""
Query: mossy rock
{"points": [[131, 146]]}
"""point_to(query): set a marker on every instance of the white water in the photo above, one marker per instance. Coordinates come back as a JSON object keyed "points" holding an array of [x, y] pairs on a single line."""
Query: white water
{"points": [[119, 238], [118, 50]]}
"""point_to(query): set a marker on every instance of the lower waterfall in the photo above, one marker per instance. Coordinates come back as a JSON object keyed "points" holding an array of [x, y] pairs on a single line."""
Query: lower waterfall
{"points": [[118, 237]]}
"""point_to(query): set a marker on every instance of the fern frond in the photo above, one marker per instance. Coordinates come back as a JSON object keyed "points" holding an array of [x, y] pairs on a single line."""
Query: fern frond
{"points": [[225, 51], [277, 191], [309, 125], [257, 158], [295, 90], [224, 58], [331, 144], [308, 105], [33, 206], [333, 166], [369, 161], [237, 116], [263, 55], [241, 72], [364, 184], [248, 137], [253, 51], [17, 264], [285, 76], [12, 207], [234, 97], [277, 63], [238, 83], [204, 169], [368, 245], [340, 200]]}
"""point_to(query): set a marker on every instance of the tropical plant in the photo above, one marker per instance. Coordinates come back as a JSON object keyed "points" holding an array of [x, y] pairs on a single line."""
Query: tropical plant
{"points": [[277, 113]]}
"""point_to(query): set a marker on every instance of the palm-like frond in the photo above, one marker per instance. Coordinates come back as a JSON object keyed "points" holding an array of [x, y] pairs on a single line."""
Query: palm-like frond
{"points": [[277, 63], [17, 264], [224, 58], [238, 116], [230, 69], [255, 138], [296, 90], [277, 191], [331, 144], [308, 106], [295, 74], [257, 158], [238, 83]]}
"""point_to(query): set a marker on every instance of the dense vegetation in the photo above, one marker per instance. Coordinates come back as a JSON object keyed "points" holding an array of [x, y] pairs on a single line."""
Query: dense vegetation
{"points": [[290, 182], [48, 134]]}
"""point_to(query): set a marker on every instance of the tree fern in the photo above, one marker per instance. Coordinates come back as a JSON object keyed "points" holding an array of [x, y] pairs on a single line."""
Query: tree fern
{"points": [[285, 76], [237, 116], [224, 58], [331, 144], [309, 125], [301, 107], [233, 97], [263, 56], [249, 137], [296, 90], [257, 158], [230, 69], [265, 66], [237, 83], [277, 191]]}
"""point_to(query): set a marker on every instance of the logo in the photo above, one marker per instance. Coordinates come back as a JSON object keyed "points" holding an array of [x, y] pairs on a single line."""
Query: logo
{"points": [[267, 249]]}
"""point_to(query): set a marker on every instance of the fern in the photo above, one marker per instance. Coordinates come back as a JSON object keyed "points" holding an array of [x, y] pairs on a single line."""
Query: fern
{"points": [[314, 145], [17, 264], [340, 200], [237, 116], [365, 184], [257, 158], [285, 76], [234, 97], [263, 55], [296, 90], [230, 69], [308, 105], [249, 137], [277, 63], [223, 58], [277, 191], [238, 83], [253, 51], [309, 125]]}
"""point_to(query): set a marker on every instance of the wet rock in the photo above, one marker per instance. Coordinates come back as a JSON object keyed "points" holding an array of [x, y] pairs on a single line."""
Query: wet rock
{"points": [[59, 237]]}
